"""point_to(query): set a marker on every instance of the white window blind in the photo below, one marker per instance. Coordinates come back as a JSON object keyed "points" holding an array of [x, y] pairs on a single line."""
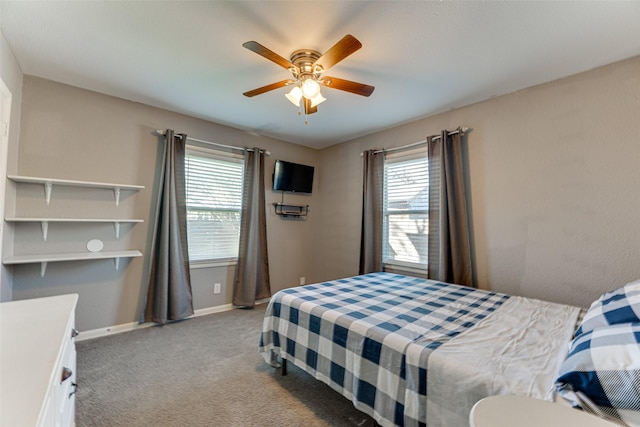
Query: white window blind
{"points": [[214, 202], [406, 210]]}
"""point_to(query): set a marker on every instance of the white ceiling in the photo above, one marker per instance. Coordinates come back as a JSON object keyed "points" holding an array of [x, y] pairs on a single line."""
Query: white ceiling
{"points": [[423, 57]]}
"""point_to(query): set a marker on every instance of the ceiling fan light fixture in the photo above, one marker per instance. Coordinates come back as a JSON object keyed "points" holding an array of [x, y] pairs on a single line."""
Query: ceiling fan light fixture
{"points": [[306, 67], [310, 88], [318, 99], [295, 95]]}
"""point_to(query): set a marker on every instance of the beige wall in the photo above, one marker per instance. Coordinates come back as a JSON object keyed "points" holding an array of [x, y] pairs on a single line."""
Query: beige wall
{"points": [[11, 75], [71, 133], [554, 174]]}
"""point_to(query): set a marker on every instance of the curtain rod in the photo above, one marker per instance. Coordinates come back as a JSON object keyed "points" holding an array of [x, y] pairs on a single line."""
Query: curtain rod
{"points": [[231, 147], [460, 130]]}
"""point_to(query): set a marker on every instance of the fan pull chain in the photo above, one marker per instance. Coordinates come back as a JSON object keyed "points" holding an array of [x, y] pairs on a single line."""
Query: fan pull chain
{"points": [[306, 117]]}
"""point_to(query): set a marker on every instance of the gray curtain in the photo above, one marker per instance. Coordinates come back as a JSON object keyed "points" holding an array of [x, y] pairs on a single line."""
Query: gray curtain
{"points": [[169, 295], [252, 272], [449, 240], [372, 200]]}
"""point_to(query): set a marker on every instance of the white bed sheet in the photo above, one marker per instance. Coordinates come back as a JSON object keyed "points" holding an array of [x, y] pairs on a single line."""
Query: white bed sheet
{"points": [[518, 350]]}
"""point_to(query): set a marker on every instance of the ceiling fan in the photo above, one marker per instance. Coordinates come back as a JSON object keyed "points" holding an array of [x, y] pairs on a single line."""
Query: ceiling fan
{"points": [[306, 67]]}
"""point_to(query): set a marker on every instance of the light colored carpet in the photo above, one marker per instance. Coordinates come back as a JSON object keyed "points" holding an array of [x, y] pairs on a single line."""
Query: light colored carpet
{"points": [[203, 371]]}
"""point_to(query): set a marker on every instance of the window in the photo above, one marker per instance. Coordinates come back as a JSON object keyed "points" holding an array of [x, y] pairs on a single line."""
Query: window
{"points": [[406, 210], [214, 202]]}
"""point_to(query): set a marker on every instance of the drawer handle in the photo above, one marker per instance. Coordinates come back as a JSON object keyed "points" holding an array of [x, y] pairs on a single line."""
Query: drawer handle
{"points": [[74, 333], [75, 389], [66, 373]]}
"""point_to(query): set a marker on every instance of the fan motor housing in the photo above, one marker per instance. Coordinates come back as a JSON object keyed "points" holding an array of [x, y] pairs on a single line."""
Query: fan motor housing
{"points": [[304, 59]]}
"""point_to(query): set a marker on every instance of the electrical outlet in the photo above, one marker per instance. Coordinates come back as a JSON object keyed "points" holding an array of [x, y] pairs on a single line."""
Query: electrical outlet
{"points": [[216, 288], [302, 280]]}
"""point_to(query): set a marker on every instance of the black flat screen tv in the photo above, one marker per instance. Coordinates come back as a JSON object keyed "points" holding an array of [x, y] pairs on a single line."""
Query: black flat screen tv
{"points": [[292, 177]]}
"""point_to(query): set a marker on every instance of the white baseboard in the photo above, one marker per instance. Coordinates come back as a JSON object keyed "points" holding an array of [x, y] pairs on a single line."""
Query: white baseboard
{"points": [[126, 327], [211, 310], [111, 330]]}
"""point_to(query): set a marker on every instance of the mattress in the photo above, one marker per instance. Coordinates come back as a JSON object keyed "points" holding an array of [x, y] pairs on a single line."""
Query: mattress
{"points": [[412, 352]]}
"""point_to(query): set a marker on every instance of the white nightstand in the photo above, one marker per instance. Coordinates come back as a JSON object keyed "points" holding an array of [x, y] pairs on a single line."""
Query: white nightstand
{"points": [[499, 411]]}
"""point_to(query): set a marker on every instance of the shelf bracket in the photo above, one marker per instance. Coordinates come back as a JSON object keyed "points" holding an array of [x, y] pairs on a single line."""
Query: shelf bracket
{"points": [[45, 229], [43, 268], [47, 192], [117, 227], [116, 194], [116, 261]]}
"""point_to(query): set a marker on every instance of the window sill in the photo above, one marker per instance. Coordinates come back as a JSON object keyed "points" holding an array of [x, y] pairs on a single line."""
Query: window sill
{"points": [[213, 263], [405, 268]]}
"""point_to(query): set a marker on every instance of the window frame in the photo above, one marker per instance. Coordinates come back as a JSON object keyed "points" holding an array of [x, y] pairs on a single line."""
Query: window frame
{"points": [[216, 154], [391, 263]]}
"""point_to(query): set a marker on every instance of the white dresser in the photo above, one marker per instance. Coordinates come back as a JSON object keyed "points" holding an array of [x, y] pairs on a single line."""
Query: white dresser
{"points": [[38, 362]]}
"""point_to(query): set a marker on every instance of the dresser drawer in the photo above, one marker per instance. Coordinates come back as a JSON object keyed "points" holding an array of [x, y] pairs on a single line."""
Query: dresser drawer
{"points": [[65, 390]]}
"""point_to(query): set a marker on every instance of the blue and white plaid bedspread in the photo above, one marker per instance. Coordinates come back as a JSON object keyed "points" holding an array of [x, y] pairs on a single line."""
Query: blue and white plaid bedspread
{"points": [[369, 337]]}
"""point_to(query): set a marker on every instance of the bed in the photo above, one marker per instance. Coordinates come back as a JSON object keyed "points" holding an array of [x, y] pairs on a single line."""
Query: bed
{"points": [[414, 352]]}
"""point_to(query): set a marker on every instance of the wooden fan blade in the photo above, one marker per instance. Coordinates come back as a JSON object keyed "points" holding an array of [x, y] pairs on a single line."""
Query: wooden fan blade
{"points": [[269, 54], [267, 88], [345, 47], [308, 109], [347, 85]]}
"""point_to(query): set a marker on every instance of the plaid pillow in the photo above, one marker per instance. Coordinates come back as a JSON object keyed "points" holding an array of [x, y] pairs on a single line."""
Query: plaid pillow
{"points": [[619, 306], [603, 369]]}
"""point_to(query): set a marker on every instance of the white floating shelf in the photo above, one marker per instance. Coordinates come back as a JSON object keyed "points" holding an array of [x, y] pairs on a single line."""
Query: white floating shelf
{"points": [[45, 222], [50, 182], [71, 256]]}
